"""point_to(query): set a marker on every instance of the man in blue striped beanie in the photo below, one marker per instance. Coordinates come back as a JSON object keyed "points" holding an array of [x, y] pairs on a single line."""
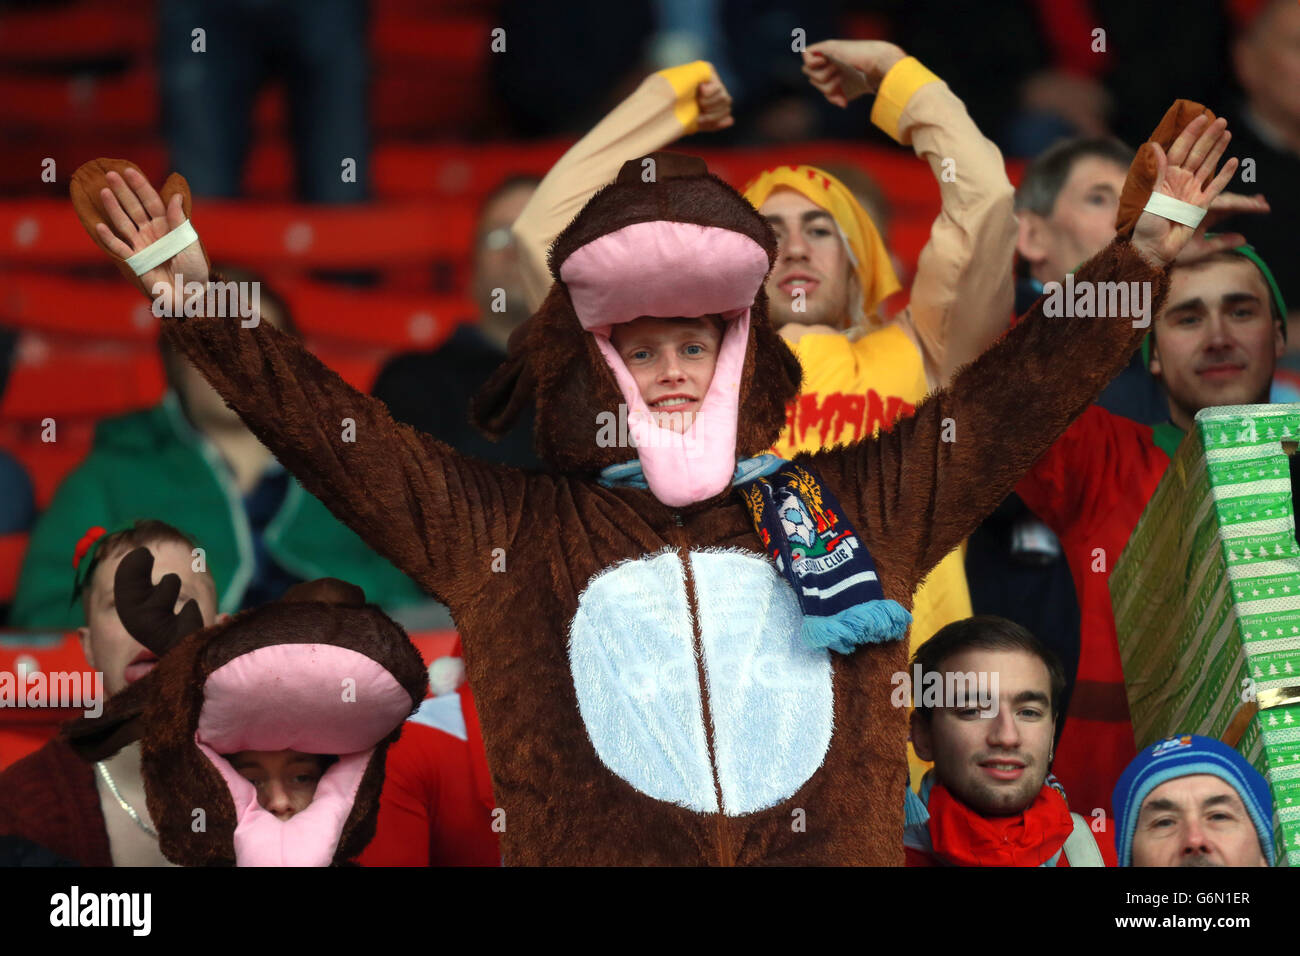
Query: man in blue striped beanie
{"points": [[1193, 801]]}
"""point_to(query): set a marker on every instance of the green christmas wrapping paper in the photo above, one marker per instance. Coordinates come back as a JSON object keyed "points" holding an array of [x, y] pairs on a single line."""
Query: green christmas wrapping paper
{"points": [[1207, 600]]}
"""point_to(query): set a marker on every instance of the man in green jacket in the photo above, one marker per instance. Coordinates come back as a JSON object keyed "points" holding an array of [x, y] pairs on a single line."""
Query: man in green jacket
{"points": [[189, 461]]}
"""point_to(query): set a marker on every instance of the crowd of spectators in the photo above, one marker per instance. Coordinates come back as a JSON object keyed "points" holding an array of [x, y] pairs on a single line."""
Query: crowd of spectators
{"points": [[1072, 87]]}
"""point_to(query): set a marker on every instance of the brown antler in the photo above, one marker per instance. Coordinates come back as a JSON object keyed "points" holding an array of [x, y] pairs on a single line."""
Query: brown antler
{"points": [[146, 608]]}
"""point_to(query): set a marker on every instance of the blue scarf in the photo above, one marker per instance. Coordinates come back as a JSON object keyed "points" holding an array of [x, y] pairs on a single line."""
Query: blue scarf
{"points": [[804, 530], [629, 474]]}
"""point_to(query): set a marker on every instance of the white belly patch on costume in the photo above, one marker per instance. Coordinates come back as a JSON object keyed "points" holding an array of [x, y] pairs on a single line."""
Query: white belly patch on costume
{"points": [[632, 657]]}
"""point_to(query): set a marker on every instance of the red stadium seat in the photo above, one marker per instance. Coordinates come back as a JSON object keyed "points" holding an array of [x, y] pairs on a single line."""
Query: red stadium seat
{"points": [[45, 232], [84, 30], [404, 172], [112, 309], [117, 103], [429, 9], [404, 100], [24, 158], [94, 309], [81, 384], [12, 549], [445, 44], [71, 382], [23, 729], [369, 317], [46, 651], [378, 235], [408, 171]]}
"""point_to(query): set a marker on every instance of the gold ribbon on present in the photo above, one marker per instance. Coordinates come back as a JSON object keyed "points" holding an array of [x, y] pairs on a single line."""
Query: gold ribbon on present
{"points": [[1264, 700], [1277, 697]]}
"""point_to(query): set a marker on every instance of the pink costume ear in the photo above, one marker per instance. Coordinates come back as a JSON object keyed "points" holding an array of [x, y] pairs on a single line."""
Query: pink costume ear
{"points": [[308, 838], [664, 269], [670, 269]]}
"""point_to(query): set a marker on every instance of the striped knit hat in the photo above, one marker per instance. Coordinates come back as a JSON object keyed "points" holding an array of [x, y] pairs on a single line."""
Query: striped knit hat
{"points": [[1183, 756]]}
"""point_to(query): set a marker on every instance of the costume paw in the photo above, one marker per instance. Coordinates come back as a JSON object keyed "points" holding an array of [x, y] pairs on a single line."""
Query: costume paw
{"points": [[1142, 173], [86, 184]]}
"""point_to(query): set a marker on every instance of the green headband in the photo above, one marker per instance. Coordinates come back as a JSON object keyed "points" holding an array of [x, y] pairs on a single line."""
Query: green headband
{"points": [[86, 560], [1248, 251]]}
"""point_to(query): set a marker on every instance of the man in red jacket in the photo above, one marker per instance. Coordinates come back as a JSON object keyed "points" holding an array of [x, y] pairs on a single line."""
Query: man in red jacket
{"points": [[987, 697], [1214, 343], [436, 808]]}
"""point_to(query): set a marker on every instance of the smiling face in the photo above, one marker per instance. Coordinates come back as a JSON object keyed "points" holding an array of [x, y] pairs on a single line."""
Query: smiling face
{"points": [[1197, 820], [995, 765], [672, 363], [1267, 61], [1081, 223], [1216, 342], [285, 780], [812, 282], [105, 641]]}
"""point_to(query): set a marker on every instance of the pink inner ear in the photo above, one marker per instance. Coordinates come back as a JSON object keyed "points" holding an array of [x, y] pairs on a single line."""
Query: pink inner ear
{"points": [[313, 698], [316, 698], [663, 268]]}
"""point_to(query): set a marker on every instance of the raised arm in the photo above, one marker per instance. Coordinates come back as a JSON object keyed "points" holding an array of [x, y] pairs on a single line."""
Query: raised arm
{"points": [[921, 488], [962, 296], [666, 106], [434, 513]]}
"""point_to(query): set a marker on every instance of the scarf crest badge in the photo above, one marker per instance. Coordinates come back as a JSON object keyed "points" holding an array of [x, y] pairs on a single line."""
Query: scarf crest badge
{"points": [[804, 530]]}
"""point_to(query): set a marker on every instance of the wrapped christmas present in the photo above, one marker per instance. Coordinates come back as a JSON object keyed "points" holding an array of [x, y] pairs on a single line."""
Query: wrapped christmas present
{"points": [[1207, 600]]}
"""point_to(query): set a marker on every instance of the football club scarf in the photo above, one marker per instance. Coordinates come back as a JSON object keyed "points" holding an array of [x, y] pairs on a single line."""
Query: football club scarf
{"points": [[816, 550], [802, 527]]}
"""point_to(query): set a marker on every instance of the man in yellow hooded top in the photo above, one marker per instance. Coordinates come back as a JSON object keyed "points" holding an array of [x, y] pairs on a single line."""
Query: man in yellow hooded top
{"points": [[833, 270]]}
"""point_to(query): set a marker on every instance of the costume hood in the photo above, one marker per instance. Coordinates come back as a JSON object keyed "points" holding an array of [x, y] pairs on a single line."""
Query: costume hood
{"points": [[318, 671], [667, 239]]}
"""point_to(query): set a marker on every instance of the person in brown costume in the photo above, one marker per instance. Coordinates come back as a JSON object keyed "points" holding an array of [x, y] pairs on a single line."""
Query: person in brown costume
{"points": [[645, 692], [317, 672]]}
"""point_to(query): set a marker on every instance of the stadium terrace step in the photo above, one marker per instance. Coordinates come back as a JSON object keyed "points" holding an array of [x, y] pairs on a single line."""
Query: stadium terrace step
{"points": [[112, 310]]}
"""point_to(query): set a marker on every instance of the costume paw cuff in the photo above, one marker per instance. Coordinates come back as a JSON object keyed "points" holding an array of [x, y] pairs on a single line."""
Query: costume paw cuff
{"points": [[172, 244], [1174, 210]]}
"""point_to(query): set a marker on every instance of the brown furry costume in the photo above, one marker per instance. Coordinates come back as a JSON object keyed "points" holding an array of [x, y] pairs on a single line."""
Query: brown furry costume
{"points": [[172, 706], [516, 554]]}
